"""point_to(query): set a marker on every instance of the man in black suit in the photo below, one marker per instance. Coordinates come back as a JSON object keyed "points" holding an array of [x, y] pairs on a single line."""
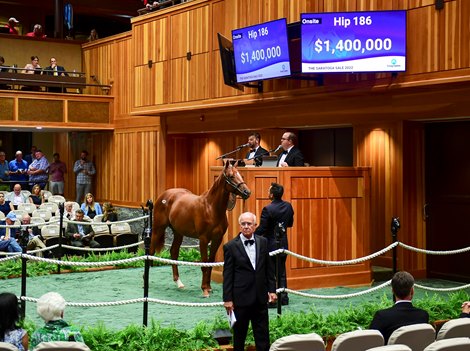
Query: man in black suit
{"points": [[55, 70], [403, 312], [80, 235], [256, 151], [291, 156], [275, 219], [248, 284]]}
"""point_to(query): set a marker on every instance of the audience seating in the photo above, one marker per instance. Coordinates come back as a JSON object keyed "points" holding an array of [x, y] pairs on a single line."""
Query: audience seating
{"points": [[75, 206], [100, 228], [46, 194], [455, 328], [51, 206], [26, 192], [38, 220], [46, 214], [127, 239], [105, 240], [5, 346], [5, 192], [120, 228], [20, 213], [50, 230], [57, 199], [454, 344], [396, 347], [299, 342], [28, 207], [98, 218], [416, 336], [358, 340], [61, 346]]}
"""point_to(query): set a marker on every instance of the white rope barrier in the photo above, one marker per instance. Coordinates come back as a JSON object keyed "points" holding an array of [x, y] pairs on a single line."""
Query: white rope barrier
{"points": [[457, 288], [85, 264], [344, 296], [102, 248], [335, 263], [185, 263]]}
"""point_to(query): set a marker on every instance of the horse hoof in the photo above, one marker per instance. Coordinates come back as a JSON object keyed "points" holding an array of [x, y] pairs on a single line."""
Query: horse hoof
{"points": [[179, 284], [206, 294]]}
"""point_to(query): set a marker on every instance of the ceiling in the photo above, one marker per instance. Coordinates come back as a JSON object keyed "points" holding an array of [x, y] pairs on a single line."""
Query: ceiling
{"points": [[107, 16]]}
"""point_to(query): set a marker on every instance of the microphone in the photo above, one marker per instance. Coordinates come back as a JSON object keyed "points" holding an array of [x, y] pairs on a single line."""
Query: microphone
{"points": [[276, 149], [242, 146]]}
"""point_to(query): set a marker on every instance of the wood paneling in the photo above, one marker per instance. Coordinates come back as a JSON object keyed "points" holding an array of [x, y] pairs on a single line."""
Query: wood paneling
{"points": [[6, 106], [332, 228]]}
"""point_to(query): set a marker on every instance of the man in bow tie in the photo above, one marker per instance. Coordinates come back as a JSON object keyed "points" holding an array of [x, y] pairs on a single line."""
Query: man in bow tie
{"points": [[256, 151], [249, 284], [291, 156]]}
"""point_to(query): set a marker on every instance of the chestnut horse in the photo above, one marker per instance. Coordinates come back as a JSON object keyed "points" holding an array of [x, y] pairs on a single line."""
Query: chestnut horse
{"points": [[202, 217]]}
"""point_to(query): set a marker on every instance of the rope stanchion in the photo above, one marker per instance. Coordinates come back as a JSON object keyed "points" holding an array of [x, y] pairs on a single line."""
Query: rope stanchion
{"points": [[147, 239], [335, 263]]}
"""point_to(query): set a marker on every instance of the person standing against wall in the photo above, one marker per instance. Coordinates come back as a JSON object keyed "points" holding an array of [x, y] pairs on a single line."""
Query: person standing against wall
{"points": [[57, 170], [84, 170]]}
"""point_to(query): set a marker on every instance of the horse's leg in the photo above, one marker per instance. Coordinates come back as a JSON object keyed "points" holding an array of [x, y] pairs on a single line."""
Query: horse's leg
{"points": [[206, 271], [215, 243], [174, 252]]}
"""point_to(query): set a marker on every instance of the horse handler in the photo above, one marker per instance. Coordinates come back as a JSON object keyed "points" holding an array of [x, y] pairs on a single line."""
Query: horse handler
{"points": [[249, 284]]}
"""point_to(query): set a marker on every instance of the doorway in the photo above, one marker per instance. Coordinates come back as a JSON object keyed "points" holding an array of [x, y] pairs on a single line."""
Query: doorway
{"points": [[447, 207]]}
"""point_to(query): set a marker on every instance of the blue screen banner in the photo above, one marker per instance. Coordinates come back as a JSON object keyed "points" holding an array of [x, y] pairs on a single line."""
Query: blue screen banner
{"points": [[261, 51], [353, 42]]}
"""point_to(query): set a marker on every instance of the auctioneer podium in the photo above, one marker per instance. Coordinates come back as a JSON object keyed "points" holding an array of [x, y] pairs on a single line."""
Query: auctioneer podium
{"points": [[331, 220]]}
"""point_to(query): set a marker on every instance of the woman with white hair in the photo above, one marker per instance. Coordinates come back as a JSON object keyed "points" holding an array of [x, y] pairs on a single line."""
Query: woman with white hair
{"points": [[50, 307]]}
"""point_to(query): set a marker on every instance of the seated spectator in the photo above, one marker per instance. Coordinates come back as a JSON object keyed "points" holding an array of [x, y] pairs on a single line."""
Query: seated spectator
{"points": [[109, 213], [36, 196], [33, 67], [51, 307], [16, 197], [18, 168], [37, 32], [68, 211], [80, 235], [33, 234], [93, 35], [3, 68], [403, 312], [90, 207], [55, 70], [10, 332], [4, 170], [465, 310], [12, 23], [8, 241], [4, 204]]}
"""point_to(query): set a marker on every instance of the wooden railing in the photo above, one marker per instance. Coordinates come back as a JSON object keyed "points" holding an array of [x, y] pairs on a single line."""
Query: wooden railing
{"points": [[73, 80]]}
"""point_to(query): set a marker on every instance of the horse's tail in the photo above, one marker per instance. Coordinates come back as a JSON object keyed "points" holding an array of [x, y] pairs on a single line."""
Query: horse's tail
{"points": [[158, 234]]}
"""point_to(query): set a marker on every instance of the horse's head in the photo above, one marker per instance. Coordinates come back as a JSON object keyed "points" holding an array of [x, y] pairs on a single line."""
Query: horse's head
{"points": [[235, 182]]}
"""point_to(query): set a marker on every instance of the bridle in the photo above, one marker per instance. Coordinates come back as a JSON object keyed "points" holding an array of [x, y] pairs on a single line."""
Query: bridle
{"points": [[235, 186]]}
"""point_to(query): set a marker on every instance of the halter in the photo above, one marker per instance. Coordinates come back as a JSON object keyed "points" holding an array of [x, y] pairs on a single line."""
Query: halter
{"points": [[233, 185]]}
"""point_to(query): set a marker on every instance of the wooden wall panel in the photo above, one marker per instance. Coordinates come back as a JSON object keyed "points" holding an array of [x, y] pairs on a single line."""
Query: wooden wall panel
{"points": [[150, 85], [150, 41], [381, 149], [110, 62]]}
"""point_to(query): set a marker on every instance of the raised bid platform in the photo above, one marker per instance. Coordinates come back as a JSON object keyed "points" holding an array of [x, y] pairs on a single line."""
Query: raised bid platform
{"points": [[331, 221]]}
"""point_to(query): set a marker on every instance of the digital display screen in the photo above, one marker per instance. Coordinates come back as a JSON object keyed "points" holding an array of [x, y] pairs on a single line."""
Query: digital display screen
{"points": [[261, 51], [353, 42]]}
